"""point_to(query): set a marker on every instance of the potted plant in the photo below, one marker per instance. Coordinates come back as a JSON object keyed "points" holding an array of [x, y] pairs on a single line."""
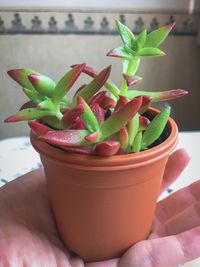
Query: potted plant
{"points": [[104, 152]]}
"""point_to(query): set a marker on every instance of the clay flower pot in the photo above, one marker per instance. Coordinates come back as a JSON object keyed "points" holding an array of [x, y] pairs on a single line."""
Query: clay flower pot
{"points": [[103, 205]]}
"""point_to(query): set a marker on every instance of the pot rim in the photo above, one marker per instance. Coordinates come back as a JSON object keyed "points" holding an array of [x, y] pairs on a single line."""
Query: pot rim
{"points": [[119, 162]]}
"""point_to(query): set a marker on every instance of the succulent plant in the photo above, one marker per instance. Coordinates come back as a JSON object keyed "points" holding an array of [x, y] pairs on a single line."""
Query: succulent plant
{"points": [[102, 122]]}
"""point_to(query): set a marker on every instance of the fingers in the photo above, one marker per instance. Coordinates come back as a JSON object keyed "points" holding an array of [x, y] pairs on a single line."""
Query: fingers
{"points": [[175, 165], [76, 262], [183, 221], [108, 263], [178, 201], [167, 251]]}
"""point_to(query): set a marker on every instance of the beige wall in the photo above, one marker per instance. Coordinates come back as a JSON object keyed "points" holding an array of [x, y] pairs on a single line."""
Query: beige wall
{"points": [[53, 54]]}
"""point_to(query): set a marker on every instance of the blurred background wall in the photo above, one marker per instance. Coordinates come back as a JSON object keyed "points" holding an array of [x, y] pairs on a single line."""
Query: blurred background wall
{"points": [[51, 38]]}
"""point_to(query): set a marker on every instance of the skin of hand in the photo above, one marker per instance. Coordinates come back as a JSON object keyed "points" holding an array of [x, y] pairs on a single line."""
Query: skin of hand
{"points": [[29, 237]]}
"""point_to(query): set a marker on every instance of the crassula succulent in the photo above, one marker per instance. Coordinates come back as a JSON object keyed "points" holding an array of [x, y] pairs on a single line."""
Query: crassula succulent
{"points": [[101, 118]]}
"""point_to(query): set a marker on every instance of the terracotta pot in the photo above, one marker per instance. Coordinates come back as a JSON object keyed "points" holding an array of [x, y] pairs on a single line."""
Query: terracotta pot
{"points": [[103, 205]]}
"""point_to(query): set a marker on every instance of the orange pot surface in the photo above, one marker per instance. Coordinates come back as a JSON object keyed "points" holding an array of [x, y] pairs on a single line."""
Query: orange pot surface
{"points": [[103, 205]]}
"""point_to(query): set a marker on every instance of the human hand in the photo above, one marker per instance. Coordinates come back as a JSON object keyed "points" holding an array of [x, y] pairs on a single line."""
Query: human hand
{"points": [[29, 237]]}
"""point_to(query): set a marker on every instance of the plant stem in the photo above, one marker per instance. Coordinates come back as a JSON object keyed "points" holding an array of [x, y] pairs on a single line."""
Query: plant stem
{"points": [[124, 87]]}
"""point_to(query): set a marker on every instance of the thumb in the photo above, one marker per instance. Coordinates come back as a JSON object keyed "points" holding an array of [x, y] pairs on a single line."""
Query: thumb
{"points": [[167, 251]]}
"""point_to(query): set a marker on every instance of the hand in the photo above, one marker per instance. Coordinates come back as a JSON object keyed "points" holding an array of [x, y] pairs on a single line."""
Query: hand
{"points": [[28, 234]]}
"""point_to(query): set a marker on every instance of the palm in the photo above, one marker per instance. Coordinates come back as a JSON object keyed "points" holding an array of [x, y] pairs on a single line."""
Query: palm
{"points": [[29, 237]]}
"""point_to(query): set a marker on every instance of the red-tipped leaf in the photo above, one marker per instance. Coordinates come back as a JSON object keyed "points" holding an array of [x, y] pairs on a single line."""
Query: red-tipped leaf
{"points": [[146, 102], [71, 138], [95, 85], [107, 148], [93, 137], [123, 137], [66, 82], [99, 113], [107, 102], [120, 118], [121, 102], [72, 115], [43, 84], [39, 128]]}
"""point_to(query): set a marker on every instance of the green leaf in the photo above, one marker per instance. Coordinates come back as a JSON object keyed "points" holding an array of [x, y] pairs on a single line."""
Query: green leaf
{"points": [[47, 104], [95, 85], [120, 52], [156, 127], [141, 39], [88, 116], [133, 127], [157, 96], [66, 82], [137, 143], [126, 34], [34, 96], [120, 118], [43, 84], [150, 52], [130, 66], [28, 114], [21, 76], [157, 37]]}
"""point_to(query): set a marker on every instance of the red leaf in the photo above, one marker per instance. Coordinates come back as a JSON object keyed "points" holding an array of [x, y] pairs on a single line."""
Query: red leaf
{"points": [[97, 98], [72, 115], [99, 113], [28, 104], [107, 102], [39, 128], [93, 137], [121, 102], [72, 138], [107, 148]]}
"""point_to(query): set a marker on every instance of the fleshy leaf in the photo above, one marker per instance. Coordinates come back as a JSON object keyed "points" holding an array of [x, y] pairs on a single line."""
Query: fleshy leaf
{"points": [[156, 127], [97, 98], [47, 104], [137, 143], [157, 96], [88, 116], [143, 123], [122, 137], [146, 102], [120, 118], [120, 52], [72, 115], [66, 82], [99, 112], [130, 66], [93, 137], [109, 84], [133, 127], [107, 102], [157, 37], [21, 76], [150, 52], [28, 104], [95, 85], [34, 96], [71, 138], [28, 114], [141, 39], [107, 148], [126, 34], [121, 102], [43, 84], [132, 80], [39, 128]]}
